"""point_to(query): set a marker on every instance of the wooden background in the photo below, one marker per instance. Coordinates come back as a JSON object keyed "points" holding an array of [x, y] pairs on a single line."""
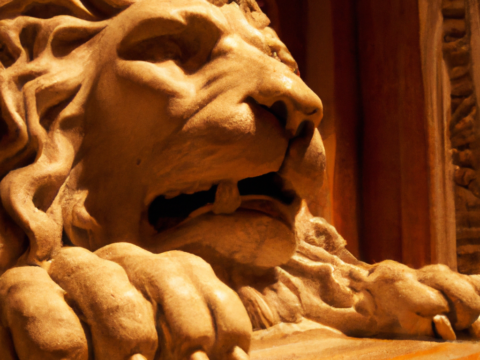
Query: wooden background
{"points": [[379, 67]]}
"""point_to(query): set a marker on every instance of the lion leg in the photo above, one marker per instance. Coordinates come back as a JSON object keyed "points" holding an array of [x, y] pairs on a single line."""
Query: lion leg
{"points": [[38, 319]]}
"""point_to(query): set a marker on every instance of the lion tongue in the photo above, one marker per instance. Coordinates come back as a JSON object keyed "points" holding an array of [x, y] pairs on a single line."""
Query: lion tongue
{"points": [[227, 198]]}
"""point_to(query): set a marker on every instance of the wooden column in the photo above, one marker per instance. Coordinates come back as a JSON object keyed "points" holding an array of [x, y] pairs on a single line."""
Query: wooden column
{"points": [[348, 128], [405, 194]]}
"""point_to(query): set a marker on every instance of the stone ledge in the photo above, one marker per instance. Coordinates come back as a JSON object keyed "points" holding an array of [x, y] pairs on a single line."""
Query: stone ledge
{"points": [[322, 344]]}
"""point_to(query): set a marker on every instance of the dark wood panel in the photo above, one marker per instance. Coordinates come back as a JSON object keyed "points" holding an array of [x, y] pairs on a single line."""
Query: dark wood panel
{"points": [[347, 181], [396, 222]]}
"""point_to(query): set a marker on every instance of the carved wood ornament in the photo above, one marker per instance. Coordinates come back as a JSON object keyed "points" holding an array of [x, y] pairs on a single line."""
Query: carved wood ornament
{"points": [[464, 129]]}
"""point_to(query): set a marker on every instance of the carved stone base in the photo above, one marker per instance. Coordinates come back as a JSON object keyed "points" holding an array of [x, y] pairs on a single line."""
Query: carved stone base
{"points": [[323, 344]]}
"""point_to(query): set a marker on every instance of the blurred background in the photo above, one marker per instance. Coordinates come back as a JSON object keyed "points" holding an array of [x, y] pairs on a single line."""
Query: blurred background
{"points": [[397, 79]]}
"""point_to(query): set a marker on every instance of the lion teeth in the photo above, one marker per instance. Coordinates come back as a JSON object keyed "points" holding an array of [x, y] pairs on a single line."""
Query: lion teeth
{"points": [[204, 187], [227, 198], [197, 188], [444, 328], [171, 194]]}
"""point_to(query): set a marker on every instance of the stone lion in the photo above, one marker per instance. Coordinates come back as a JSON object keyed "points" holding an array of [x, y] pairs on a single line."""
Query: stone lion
{"points": [[161, 166]]}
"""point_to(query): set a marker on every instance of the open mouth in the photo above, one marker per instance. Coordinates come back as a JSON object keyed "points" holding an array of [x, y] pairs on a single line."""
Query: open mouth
{"points": [[165, 214]]}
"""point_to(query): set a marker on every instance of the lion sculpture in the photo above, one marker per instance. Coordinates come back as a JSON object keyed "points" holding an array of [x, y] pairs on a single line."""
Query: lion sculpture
{"points": [[160, 169]]}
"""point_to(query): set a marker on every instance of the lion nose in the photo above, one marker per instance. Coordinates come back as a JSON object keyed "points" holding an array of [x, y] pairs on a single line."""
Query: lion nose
{"points": [[290, 100]]}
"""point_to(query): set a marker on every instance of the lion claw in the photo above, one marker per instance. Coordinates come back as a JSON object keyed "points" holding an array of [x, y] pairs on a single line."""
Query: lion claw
{"points": [[474, 329], [238, 354], [138, 357], [444, 328], [199, 355]]}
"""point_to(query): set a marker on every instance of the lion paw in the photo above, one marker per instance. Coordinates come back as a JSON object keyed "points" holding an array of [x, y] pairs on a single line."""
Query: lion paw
{"points": [[121, 303]]}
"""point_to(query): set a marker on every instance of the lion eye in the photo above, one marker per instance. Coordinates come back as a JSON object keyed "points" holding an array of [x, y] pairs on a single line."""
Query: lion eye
{"points": [[189, 43], [157, 50]]}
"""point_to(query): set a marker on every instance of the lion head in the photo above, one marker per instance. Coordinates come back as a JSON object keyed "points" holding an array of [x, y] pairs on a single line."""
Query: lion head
{"points": [[170, 125]]}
